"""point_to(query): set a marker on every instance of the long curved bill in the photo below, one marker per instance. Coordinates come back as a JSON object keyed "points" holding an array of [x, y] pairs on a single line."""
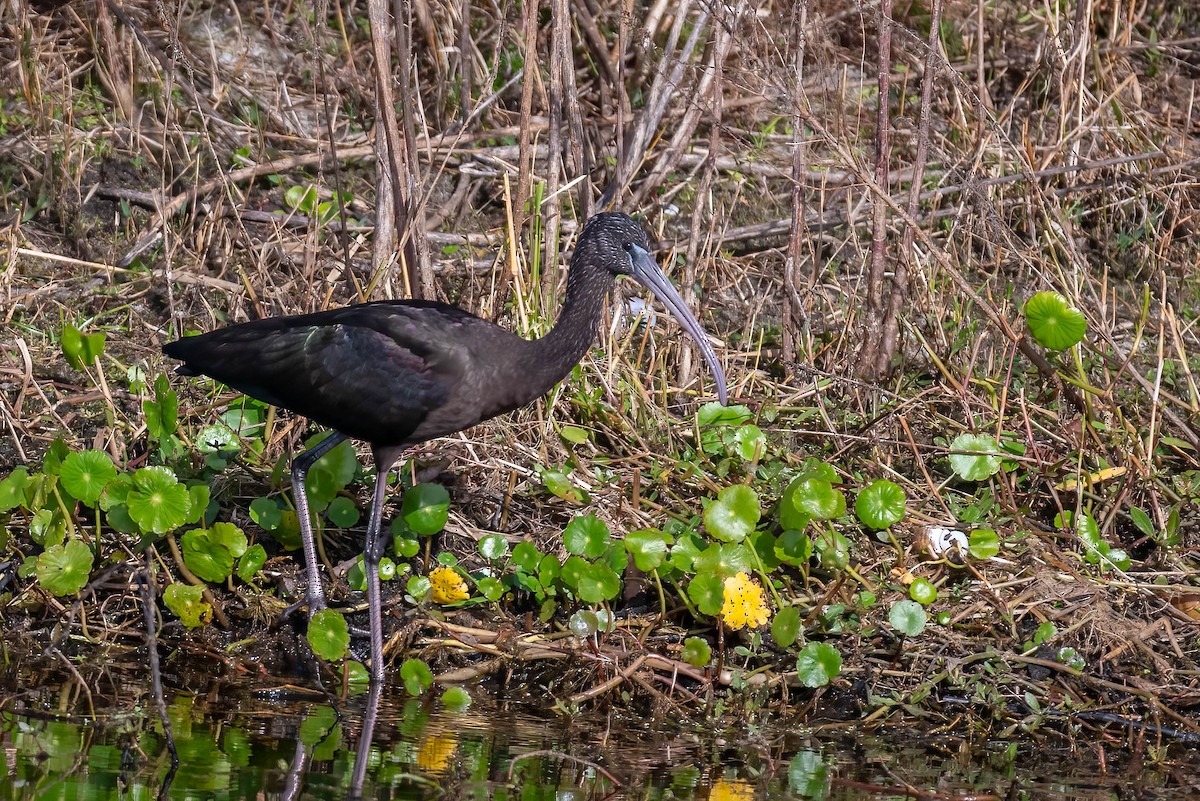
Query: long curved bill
{"points": [[647, 273]]}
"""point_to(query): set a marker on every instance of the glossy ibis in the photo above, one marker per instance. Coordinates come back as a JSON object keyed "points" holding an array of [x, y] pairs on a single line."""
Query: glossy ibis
{"points": [[397, 373]]}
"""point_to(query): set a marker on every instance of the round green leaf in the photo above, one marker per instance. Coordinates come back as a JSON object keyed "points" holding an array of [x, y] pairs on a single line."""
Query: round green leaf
{"points": [[71, 339], [206, 556], [216, 438], [570, 573], [974, 457], [331, 473], [528, 583], [724, 560], [1088, 530], [85, 475], [1118, 558], [356, 576], [587, 536], [751, 442], [715, 414], [198, 500], [818, 664], [715, 422], [549, 569], [819, 499], [12, 489], [266, 512], [922, 591], [833, 548], [342, 512], [230, 536], [493, 546], [119, 519], [387, 569], [425, 508], [881, 504], [526, 557], [158, 503], [491, 588], [815, 468], [162, 413], [420, 588], [907, 617], [405, 547], [983, 543], [696, 652], [648, 547], [52, 461], [301, 198], [598, 583], [188, 604], [319, 730], [416, 675], [583, 623], [287, 533], [763, 544], [456, 699], [790, 516], [64, 569], [356, 675], [1070, 657], [734, 514], [245, 419], [117, 491], [616, 557], [47, 527], [251, 562], [328, 634], [1053, 321], [707, 592], [793, 547], [685, 550], [785, 628]]}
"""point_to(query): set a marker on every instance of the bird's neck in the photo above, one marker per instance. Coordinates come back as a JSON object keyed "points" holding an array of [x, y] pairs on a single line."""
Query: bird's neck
{"points": [[564, 345]]}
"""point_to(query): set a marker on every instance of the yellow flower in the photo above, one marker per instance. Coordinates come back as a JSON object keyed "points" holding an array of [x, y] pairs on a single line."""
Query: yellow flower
{"points": [[731, 789], [434, 755], [448, 586], [744, 603]]}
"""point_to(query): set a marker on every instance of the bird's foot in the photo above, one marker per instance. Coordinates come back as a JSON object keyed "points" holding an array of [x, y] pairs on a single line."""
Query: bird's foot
{"points": [[313, 605]]}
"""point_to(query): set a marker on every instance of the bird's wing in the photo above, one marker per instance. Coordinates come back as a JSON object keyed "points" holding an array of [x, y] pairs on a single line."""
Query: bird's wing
{"points": [[372, 371]]}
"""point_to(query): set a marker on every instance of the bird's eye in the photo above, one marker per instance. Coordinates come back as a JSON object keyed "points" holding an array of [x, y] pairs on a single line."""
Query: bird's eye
{"points": [[628, 247]]}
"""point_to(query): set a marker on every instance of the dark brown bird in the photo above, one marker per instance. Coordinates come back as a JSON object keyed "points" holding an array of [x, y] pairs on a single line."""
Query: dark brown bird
{"points": [[398, 373]]}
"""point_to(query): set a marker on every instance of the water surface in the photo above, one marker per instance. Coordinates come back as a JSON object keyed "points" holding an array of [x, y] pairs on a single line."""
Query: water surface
{"points": [[254, 738]]}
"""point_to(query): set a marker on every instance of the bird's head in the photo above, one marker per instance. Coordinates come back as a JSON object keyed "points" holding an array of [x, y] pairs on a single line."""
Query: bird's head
{"points": [[619, 244], [613, 240]]}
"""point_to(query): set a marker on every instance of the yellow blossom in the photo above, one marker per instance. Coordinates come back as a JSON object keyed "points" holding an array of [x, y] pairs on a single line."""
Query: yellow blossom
{"points": [[434, 754], [731, 789], [744, 604], [448, 586]]}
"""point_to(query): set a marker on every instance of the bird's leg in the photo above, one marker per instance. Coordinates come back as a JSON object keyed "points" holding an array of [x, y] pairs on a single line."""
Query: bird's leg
{"points": [[300, 466], [372, 553]]}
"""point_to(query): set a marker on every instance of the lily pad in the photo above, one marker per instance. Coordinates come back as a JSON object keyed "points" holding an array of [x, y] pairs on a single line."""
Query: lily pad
{"points": [[64, 569], [734, 514], [1054, 322]]}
